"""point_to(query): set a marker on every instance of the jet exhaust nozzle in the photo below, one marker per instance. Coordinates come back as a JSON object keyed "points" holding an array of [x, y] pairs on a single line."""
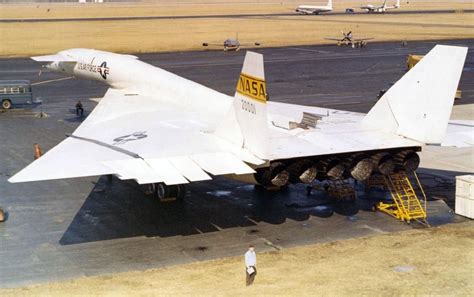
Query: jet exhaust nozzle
{"points": [[408, 160], [336, 172], [303, 171], [362, 168], [331, 168], [274, 175], [384, 163]]}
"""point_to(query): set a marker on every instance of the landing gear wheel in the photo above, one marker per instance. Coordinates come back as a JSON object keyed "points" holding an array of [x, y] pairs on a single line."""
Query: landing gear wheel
{"points": [[6, 104], [166, 193]]}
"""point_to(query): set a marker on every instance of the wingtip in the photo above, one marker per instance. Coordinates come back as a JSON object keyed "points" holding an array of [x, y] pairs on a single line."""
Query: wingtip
{"points": [[13, 180]]}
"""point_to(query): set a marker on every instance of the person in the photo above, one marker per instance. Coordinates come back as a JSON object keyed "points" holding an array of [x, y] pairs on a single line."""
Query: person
{"points": [[79, 108], [250, 265]]}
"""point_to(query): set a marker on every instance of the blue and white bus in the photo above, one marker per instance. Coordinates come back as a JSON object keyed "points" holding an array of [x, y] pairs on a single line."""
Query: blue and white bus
{"points": [[16, 93]]}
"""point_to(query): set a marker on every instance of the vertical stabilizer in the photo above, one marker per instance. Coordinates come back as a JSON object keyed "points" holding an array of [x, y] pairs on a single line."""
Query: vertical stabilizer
{"points": [[250, 104], [329, 4], [418, 106]]}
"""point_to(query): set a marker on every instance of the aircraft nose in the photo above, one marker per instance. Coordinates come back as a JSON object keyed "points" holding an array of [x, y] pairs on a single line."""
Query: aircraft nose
{"points": [[52, 65]]}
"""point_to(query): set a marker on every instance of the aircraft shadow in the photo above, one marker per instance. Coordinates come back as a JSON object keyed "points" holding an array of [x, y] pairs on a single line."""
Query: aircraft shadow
{"points": [[120, 209]]}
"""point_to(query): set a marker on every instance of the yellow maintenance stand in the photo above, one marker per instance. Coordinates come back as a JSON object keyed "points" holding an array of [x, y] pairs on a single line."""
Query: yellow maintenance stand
{"points": [[405, 205]]}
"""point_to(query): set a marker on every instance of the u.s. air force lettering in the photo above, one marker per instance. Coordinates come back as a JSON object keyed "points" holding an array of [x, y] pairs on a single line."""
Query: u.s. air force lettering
{"points": [[103, 70], [252, 87]]}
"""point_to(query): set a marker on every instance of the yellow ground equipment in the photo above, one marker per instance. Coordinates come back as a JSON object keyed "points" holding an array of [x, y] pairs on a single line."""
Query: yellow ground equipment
{"points": [[413, 59], [406, 206]]}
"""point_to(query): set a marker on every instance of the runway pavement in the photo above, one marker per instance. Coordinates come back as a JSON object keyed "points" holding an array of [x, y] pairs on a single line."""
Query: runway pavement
{"points": [[89, 226], [216, 16]]}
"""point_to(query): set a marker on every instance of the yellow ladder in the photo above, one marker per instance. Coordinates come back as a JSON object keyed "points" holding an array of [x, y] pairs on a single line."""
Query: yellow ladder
{"points": [[405, 206]]}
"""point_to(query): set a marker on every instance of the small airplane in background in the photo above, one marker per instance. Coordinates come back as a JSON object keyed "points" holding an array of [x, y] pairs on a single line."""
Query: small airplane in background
{"points": [[380, 9], [230, 44], [311, 9], [349, 40]]}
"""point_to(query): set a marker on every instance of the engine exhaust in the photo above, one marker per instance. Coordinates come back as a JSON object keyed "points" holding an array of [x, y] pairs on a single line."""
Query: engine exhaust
{"points": [[303, 171], [361, 167], [330, 168], [408, 160], [275, 175], [383, 163]]}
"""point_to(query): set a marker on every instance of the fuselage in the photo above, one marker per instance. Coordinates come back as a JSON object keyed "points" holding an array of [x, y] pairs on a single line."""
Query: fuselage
{"points": [[380, 9], [128, 73], [314, 9], [308, 9]]}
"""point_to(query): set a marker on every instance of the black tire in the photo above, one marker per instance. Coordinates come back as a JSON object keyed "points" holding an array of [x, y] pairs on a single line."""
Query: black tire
{"points": [[6, 104], [165, 193]]}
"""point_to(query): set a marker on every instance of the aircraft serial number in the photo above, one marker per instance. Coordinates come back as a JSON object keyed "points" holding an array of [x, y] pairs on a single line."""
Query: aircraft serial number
{"points": [[248, 106]]}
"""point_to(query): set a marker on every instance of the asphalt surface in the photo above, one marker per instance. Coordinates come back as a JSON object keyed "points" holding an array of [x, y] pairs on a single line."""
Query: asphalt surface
{"points": [[218, 16], [88, 226]]}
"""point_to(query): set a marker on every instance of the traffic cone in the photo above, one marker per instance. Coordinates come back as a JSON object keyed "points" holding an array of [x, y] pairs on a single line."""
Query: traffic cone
{"points": [[37, 151]]}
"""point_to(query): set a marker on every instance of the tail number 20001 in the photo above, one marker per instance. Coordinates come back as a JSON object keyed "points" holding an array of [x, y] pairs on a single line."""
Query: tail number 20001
{"points": [[248, 106]]}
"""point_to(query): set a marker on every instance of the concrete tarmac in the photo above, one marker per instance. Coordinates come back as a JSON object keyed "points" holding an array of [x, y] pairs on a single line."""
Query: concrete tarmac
{"points": [[217, 16], [88, 226]]}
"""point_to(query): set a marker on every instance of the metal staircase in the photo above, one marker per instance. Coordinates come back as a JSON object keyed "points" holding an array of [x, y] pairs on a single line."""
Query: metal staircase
{"points": [[405, 206]]}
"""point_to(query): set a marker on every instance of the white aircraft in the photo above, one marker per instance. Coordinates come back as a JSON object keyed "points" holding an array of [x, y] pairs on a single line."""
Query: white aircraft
{"points": [[380, 9], [163, 130], [311, 9]]}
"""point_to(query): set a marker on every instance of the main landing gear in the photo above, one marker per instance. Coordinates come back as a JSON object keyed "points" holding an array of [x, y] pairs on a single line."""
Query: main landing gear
{"points": [[167, 193]]}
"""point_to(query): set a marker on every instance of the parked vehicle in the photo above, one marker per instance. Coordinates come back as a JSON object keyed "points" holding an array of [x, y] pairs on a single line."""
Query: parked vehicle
{"points": [[15, 93]]}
